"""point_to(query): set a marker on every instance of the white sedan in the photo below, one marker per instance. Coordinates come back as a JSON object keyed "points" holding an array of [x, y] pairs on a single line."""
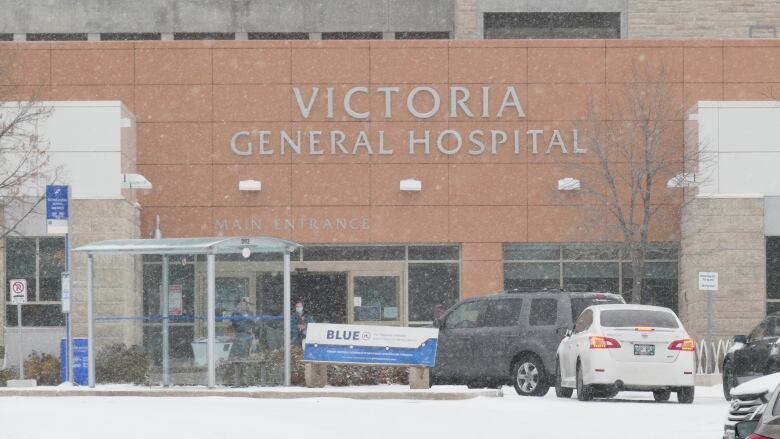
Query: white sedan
{"points": [[626, 347]]}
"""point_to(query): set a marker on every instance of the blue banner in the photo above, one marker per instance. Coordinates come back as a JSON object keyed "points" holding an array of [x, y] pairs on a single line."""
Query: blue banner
{"points": [[80, 361], [424, 355]]}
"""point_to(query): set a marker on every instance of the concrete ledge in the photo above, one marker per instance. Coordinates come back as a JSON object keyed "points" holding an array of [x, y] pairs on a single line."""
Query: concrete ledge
{"points": [[262, 394], [21, 383]]}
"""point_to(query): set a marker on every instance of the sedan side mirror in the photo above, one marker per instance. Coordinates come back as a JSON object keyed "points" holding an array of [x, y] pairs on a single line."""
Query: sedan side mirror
{"points": [[569, 333], [740, 339], [744, 429]]}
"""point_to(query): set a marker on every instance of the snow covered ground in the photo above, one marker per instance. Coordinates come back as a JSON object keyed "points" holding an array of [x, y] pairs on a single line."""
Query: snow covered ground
{"points": [[633, 415]]}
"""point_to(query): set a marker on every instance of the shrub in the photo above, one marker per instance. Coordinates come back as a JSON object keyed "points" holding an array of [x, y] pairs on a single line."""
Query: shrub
{"points": [[43, 368], [117, 363]]}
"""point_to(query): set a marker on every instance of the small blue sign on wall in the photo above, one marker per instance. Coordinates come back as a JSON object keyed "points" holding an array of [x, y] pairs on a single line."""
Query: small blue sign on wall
{"points": [[80, 361], [57, 209]]}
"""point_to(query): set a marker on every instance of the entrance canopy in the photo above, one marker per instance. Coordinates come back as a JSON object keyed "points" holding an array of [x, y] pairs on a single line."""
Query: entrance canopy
{"points": [[210, 247], [191, 246]]}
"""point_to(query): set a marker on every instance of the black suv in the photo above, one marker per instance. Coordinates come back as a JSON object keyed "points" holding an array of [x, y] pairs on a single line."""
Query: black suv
{"points": [[508, 337], [753, 356]]}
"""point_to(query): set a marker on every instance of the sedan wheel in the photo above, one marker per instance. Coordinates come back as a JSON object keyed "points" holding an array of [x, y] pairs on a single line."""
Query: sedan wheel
{"points": [[529, 377], [560, 391], [584, 392]]}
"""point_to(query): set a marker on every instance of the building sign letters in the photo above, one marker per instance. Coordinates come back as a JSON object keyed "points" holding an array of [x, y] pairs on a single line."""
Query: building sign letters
{"points": [[423, 141]]}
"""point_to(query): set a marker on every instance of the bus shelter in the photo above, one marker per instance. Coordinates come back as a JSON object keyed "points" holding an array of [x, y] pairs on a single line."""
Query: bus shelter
{"points": [[174, 247]]}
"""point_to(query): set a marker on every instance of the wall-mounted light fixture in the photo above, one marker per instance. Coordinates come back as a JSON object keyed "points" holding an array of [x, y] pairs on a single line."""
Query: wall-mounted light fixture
{"points": [[568, 184], [411, 185], [250, 185], [684, 179]]}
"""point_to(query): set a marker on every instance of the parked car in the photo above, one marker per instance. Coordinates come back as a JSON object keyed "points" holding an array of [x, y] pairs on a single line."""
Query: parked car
{"points": [[748, 404], [626, 347], [753, 356], [508, 337]]}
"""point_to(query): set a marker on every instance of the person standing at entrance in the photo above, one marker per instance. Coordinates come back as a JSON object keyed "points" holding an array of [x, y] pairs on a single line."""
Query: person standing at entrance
{"points": [[243, 321], [300, 322]]}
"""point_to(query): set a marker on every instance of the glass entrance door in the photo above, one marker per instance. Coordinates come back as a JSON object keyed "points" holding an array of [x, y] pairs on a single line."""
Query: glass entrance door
{"points": [[376, 298]]}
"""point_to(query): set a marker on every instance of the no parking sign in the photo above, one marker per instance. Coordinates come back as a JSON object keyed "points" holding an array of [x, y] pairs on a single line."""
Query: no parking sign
{"points": [[18, 291]]}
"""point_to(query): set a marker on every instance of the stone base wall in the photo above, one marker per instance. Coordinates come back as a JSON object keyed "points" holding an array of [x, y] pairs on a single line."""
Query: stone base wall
{"points": [[700, 18], [724, 235], [117, 279], [465, 20]]}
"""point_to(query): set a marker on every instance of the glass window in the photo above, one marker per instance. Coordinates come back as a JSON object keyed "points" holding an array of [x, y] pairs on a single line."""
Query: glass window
{"points": [[532, 275], [598, 276], [547, 25], [278, 36], [758, 332], [659, 287], [502, 313], [57, 37], [36, 315], [352, 35], [466, 315], [434, 253], [52, 264], [544, 312], [354, 253], [773, 327], [422, 35], [584, 321], [661, 251], [20, 264], [433, 289], [773, 268], [634, 317], [204, 36], [532, 252], [591, 252], [772, 307], [378, 298], [126, 36], [578, 304]]}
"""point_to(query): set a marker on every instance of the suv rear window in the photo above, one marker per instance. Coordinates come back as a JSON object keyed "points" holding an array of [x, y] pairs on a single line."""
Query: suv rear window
{"points": [[620, 318], [578, 304]]}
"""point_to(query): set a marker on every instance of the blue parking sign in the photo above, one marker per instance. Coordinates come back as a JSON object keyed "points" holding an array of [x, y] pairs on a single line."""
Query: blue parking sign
{"points": [[56, 202]]}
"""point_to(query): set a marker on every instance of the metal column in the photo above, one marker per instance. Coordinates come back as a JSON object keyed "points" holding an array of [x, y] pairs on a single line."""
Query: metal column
{"points": [[90, 321], [286, 272], [166, 367], [210, 318]]}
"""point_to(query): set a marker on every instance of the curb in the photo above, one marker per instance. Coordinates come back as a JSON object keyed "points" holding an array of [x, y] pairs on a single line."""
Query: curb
{"points": [[261, 394]]}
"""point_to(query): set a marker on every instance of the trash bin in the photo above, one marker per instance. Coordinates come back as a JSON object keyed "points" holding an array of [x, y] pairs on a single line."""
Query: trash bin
{"points": [[222, 346]]}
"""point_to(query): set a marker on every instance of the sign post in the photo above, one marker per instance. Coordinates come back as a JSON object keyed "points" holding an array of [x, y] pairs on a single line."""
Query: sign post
{"points": [[18, 297], [708, 281], [58, 222]]}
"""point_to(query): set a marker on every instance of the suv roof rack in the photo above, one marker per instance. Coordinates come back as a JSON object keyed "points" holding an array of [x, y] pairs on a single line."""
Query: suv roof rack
{"points": [[533, 290]]}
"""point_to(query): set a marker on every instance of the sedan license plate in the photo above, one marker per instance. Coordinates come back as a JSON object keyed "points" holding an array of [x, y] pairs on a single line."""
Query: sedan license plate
{"points": [[644, 349]]}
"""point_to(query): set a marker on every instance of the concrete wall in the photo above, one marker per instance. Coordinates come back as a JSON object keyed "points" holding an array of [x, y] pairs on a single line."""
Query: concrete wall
{"points": [[736, 136], [724, 235], [701, 18], [165, 16]]}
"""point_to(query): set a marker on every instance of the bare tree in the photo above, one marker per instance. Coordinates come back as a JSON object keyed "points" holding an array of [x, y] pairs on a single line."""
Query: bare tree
{"points": [[637, 141], [24, 161]]}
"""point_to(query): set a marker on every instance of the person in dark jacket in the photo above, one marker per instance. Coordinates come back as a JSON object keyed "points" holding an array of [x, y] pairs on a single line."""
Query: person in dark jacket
{"points": [[243, 322], [299, 323]]}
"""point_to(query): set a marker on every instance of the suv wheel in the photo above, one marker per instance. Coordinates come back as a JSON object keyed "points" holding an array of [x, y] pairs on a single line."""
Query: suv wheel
{"points": [[729, 379], [685, 395], [584, 392], [529, 377], [560, 391], [662, 395]]}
